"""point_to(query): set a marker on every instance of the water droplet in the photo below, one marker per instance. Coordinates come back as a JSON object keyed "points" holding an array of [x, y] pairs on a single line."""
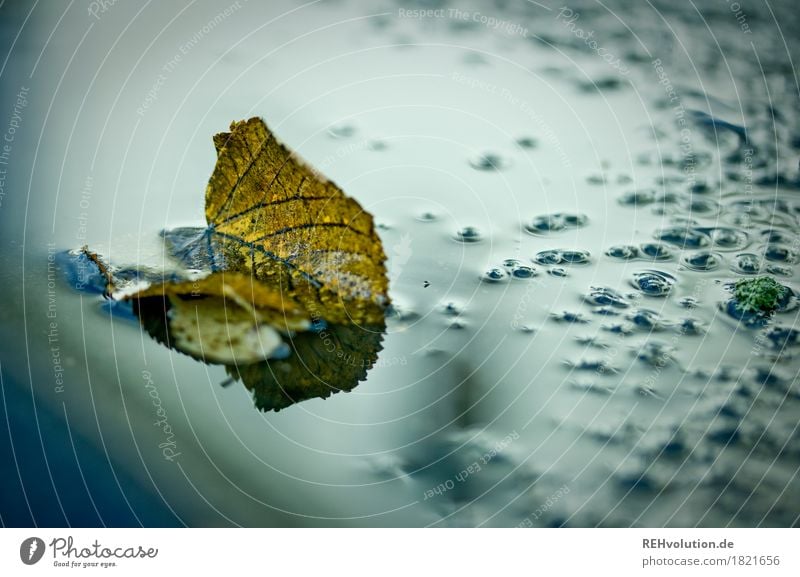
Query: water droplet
{"points": [[510, 263], [623, 251], [489, 161], [684, 237], [341, 130], [469, 234], [555, 222], [703, 261], [655, 353], [781, 338], [638, 197], [600, 366], [690, 326], [523, 271], [452, 309], [700, 206], [727, 238], [527, 142], [646, 319], [778, 236], [746, 263], [689, 302], [653, 283], [656, 251], [778, 253], [377, 145], [561, 256], [427, 217], [602, 296], [779, 270], [558, 271], [569, 317], [494, 275]]}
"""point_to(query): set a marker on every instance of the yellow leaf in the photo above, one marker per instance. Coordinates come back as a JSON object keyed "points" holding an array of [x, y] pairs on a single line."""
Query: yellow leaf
{"points": [[270, 214]]}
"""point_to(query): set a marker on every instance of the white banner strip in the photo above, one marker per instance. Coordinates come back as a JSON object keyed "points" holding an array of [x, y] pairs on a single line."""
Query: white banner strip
{"points": [[371, 552]]}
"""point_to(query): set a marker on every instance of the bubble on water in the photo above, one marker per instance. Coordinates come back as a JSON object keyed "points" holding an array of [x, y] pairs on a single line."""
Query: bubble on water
{"points": [[562, 256], [527, 142], [603, 296], [700, 206], [640, 197], [655, 251], [779, 253], [619, 329], [623, 252], [782, 337], [558, 271], [452, 309], [377, 145], [494, 275], [703, 261], [489, 161], [591, 341], [341, 130], [701, 187], [747, 263], [653, 283], [569, 317], [600, 366], [646, 319], [427, 217], [591, 386], [469, 234], [778, 236], [548, 257], [747, 318], [779, 270], [689, 302], [523, 271], [684, 237], [655, 353], [606, 311], [690, 326], [724, 238], [555, 222]]}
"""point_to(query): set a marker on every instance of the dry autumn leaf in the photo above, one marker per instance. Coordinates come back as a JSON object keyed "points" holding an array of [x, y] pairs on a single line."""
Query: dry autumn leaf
{"points": [[273, 217], [288, 269]]}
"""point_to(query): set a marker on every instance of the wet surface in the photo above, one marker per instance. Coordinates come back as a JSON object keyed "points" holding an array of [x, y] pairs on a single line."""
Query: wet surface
{"points": [[562, 238]]}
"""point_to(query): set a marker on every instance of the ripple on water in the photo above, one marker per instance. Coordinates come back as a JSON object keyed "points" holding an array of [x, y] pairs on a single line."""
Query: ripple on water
{"points": [[555, 222], [653, 283]]}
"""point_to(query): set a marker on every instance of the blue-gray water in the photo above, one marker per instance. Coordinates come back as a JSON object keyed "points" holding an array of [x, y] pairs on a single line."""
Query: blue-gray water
{"points": [[487, 139]]}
